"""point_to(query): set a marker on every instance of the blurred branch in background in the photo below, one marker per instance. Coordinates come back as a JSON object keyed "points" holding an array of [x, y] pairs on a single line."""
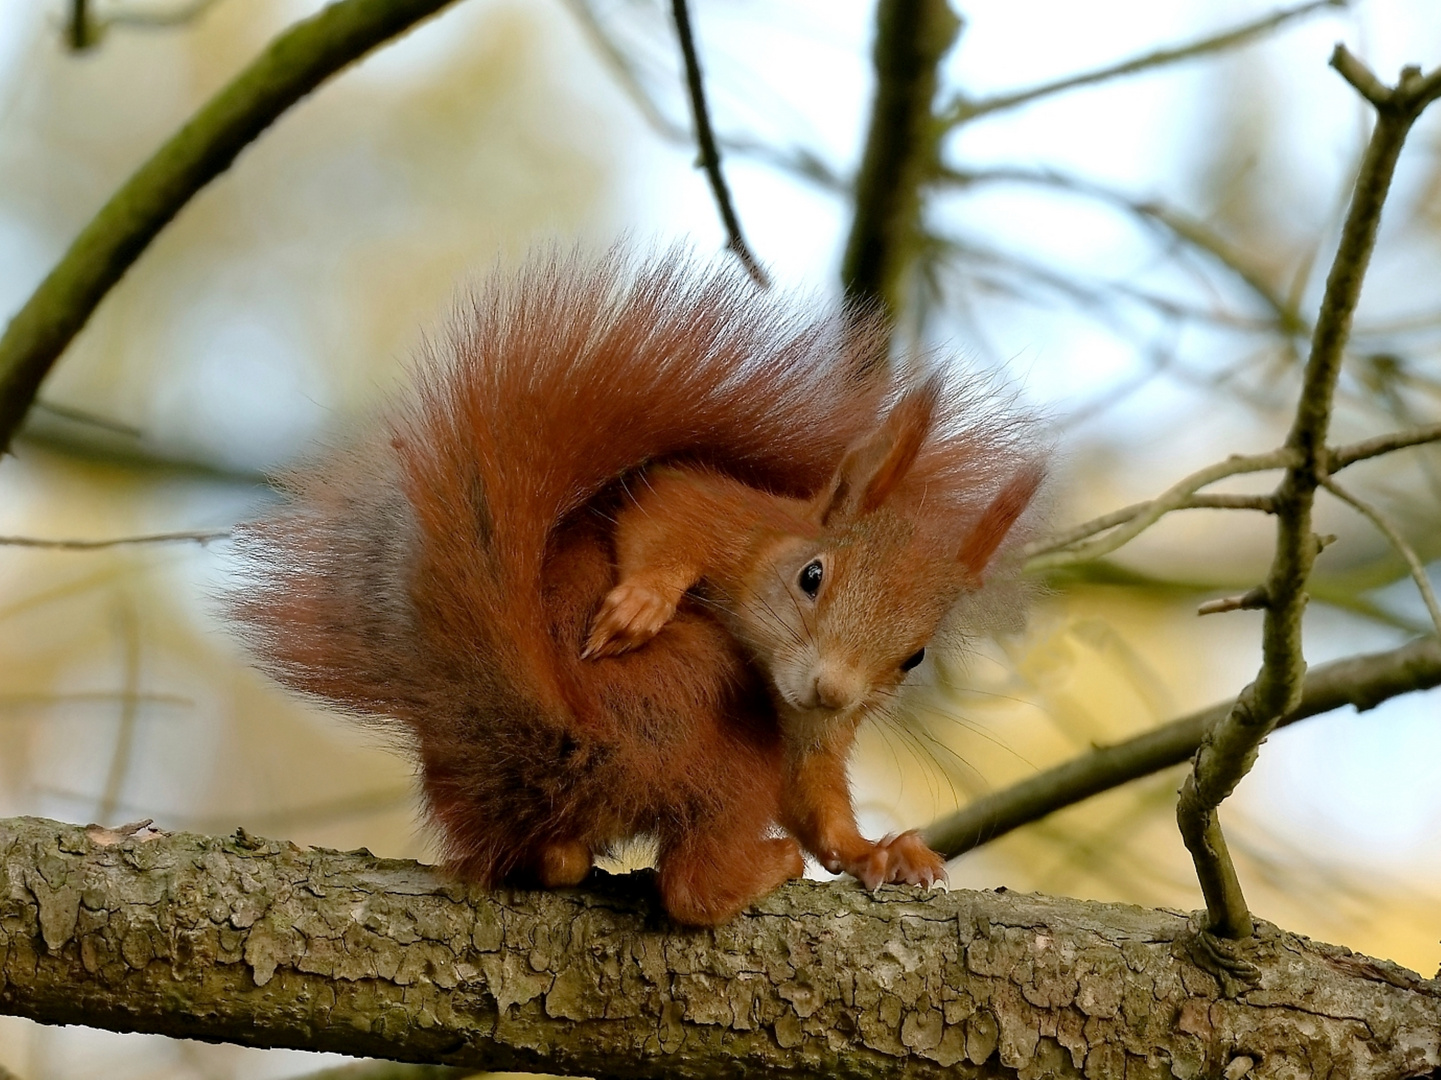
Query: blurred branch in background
{"points": [[902, 151], [295, 63], [387, 1070], [1286, 319], [1397, 541], [201, 538], [1361, 681]]}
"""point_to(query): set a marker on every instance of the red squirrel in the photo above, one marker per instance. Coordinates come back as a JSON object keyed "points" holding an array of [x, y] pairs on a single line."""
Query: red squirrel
{"points": [[636, 556]]}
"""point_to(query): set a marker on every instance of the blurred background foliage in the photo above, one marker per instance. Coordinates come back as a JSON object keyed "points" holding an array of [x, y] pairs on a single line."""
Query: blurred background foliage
{"points": [[1141, 258]]}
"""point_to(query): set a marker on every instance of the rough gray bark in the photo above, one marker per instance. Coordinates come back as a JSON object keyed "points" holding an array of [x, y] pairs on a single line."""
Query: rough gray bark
{"points": [[263, 943]]}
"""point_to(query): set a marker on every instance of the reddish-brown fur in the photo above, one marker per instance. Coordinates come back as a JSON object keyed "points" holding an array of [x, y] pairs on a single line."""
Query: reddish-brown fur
{"points": [[448, 574]]}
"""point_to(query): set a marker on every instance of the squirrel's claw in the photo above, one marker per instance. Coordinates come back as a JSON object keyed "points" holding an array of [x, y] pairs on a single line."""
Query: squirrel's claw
{"points": [[899, 860], [629, 616]]}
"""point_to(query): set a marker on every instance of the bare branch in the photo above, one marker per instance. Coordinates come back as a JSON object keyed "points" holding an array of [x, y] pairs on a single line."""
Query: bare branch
{"points": [[962, 111], [1360, 76], [1229, 749], [1060, 548], [1361, 681], [293, 65], [1049, 554], [709, 151], [80, 30]]}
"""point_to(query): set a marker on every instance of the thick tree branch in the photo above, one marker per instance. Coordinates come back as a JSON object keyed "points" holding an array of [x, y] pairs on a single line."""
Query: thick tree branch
{"points": [[294, 64], [1229, 749], [1361, 681], [260, 942], [902, 149]]}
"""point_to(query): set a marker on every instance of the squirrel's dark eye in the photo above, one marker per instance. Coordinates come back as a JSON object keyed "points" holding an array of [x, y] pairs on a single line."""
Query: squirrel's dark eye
{"points": [[810, 579], [912, 660]]}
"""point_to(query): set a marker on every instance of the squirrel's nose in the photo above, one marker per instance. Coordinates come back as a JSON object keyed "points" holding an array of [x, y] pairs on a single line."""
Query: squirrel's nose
{"points": [[834, 689]]}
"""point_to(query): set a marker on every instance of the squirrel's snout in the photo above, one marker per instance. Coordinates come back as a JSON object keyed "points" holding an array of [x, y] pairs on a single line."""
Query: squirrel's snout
{"points": [[834, 687]]}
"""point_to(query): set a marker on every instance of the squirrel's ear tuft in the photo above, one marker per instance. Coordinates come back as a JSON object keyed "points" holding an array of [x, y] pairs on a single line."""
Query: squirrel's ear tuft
{"points": [[996, 521], [874, 466]]}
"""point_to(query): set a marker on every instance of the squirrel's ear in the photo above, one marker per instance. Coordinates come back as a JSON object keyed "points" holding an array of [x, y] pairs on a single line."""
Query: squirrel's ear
{"points": [[872, 467], [996, 521]]}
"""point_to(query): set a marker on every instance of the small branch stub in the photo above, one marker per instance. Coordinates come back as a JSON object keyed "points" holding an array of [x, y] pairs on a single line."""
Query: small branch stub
{"points": [[1247, 601]]}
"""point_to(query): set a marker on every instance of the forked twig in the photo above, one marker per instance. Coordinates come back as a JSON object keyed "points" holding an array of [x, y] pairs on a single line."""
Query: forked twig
{"points": [[1229, 749]]}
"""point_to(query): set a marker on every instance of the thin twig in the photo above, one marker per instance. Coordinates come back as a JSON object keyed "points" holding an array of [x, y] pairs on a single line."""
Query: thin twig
{"points": [[293, 65], [1338, 459], [1250, 600], [201, 538], [1382, 444], [1397, 541], [81, 416], [1362, 681], [962, 110], [1229, 749], [709, 151], [1049, 556]]}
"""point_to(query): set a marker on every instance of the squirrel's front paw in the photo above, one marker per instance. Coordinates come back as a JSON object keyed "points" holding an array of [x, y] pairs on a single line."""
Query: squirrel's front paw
{"points": [[629, 616], [899, 860]]}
